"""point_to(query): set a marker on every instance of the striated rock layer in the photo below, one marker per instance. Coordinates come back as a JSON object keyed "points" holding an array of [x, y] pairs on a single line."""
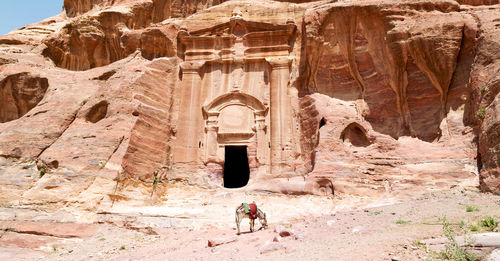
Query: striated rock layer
{"points": [[368, 98]]}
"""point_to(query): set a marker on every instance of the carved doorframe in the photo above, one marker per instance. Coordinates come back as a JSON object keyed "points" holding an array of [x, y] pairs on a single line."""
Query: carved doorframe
{"points": [[211, 113]]}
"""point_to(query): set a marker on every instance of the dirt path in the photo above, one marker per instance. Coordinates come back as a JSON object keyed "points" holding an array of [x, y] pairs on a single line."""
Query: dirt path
{"points": [[374, 232]]}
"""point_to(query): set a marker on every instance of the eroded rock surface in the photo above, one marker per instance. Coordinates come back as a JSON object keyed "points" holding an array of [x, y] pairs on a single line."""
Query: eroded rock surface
{"points": [[370, 98], [19, 93]]}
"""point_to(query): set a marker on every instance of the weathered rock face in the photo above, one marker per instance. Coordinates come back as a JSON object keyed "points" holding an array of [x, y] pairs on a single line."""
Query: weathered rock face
{"points": [[371, 54], [486, 82], [162, 8], [97, 40], [478, 2], [19, 93], [364, 98], [489, 147]]}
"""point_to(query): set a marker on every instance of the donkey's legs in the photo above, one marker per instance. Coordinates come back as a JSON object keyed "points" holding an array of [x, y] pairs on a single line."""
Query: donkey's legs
{"points": [[252, 225], [238, 220]]}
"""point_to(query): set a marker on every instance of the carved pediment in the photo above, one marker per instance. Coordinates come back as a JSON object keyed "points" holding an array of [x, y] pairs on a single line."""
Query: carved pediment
{"points": [[240, 27], [257, 40]]}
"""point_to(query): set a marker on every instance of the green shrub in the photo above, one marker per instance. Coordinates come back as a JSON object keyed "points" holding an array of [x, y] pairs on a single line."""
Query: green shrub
{"points": [[42, 172], [453, 250], [400, 221], [483, 89], [481, 113], [374, 213], [473, 228], [489, 222]]}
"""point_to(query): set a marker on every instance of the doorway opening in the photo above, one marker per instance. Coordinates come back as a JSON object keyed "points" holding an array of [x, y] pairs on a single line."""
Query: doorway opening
{"points": [[236, 169]]}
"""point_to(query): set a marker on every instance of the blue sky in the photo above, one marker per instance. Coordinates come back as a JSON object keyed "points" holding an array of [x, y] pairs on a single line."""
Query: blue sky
{"points": [[18, 13]]}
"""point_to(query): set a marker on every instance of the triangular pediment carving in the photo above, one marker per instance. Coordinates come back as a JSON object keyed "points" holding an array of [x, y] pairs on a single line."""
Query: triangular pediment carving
{"points": [[240, 27], [237, 26]]}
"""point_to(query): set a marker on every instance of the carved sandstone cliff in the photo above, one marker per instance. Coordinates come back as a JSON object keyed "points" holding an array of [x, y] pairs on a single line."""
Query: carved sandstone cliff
{"points": [[365, 98]]}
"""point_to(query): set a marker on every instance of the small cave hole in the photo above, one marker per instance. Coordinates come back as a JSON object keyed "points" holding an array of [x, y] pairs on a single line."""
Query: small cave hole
{"points": [[53, 164], [97, 112], [322, 122], [356, 135], [105, 76]]}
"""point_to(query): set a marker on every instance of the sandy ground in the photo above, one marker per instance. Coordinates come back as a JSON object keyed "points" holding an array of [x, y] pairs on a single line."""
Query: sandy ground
{"points": [[312, 228]]}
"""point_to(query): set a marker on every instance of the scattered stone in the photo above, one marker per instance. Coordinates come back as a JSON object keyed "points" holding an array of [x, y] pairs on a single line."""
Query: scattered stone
{"points": [[357, 229], [270, 246], [283, 232], [298, 237], [330, 223], [494, 256], [221, 240]]}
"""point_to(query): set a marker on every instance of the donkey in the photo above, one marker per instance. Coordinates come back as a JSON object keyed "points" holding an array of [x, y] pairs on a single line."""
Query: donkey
{"points": [[240, 214]]}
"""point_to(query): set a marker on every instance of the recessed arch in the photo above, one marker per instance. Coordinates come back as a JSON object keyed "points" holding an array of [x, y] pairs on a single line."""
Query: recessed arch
{"points": [[234, 98]]}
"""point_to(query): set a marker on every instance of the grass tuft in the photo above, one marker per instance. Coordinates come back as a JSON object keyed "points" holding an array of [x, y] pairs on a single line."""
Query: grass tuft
{"points": [[471, 208], [374, 213], [473, 228]]}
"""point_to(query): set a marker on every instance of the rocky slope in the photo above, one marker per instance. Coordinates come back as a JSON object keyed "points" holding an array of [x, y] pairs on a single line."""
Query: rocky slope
{"points": [[395, 97]]}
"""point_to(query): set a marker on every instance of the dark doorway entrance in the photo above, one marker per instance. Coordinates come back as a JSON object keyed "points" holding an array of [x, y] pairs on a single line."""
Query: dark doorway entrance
{"points": [[236, 169]]}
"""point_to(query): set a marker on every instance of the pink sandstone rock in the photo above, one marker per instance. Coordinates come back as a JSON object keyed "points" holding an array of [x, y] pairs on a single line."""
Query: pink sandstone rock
{"points": [[62, 230], [366, 98]]}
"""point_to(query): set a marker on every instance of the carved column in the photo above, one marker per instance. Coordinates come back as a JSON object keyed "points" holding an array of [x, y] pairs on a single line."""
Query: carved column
{"points": [[260, 129], [190, 115], [211, 140], [280, 74]]}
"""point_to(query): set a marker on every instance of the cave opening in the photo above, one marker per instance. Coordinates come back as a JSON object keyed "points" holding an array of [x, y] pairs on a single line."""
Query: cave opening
{"points": [[356, 135], [236, 168]]}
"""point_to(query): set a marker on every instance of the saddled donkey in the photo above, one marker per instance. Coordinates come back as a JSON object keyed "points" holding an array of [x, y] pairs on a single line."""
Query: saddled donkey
{"points": [[240, 214]]}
